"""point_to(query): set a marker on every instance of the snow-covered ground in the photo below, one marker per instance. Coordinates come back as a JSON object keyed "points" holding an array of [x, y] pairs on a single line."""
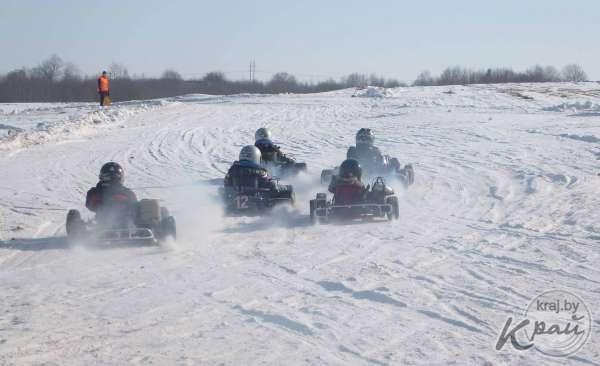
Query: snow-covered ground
{"points": [[505, 207]]}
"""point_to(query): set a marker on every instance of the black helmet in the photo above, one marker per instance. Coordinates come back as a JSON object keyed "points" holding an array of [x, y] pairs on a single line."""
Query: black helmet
{"points": [[365, 136], [350, 167], [111, 173]]}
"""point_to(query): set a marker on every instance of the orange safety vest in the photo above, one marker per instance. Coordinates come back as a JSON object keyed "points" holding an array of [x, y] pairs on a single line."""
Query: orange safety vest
{"points": [[103, 84]]}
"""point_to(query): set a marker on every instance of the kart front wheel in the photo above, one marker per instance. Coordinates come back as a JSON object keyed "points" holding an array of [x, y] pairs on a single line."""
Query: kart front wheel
{"points": [[75, 224]]}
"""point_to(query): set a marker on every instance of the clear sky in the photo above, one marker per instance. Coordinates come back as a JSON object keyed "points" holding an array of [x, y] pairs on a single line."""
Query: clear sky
{"points": [[312, 39]]}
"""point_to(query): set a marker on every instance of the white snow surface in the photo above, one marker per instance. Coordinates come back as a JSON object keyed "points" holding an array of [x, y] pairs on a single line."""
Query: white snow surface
{"points": [[505, 207]]}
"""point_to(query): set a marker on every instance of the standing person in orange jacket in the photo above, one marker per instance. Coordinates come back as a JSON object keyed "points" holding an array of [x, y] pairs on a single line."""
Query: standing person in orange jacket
{"points": [[103, 88]]}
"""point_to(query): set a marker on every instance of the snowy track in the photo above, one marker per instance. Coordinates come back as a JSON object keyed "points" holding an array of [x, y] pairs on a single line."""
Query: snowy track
{"points": [[505, 207]]}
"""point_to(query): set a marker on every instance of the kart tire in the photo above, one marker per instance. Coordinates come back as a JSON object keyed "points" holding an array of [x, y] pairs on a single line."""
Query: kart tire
{"points": [[300, 167], [168, 228], [409, 175], [326, 176], [148, 213], [74, 224], [314, 219], [164, 213], [394, 214]]}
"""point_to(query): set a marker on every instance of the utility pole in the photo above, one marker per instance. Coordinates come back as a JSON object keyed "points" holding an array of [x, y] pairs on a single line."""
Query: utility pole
{"points": [[252, 71]]}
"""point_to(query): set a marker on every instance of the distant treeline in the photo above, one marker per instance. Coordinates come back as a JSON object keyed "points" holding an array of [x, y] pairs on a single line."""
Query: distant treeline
{"points": [[458, 75], [54, 80]]}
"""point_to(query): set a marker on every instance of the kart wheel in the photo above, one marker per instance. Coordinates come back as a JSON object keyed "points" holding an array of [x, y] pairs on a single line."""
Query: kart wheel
{"points": [[394, 214], [164, 213], [314, 219], [75, 224], [168, 228], [409, 175], [326, 176], [299, 167], [395, 164], [148, 213]]}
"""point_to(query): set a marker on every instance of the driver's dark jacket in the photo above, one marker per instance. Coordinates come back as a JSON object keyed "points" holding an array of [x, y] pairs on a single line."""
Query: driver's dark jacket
{"points": [[248, 175], [111, 202], [347, 191], [271, 153], [366, 155]]}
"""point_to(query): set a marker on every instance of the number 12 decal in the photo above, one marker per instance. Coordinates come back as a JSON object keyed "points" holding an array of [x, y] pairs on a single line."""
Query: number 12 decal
{"points": [[241, 201]]}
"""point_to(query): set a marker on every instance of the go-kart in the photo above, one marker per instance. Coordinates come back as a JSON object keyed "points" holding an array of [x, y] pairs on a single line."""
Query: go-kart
{"points": [[284, 169], [278, 164], [150, 224], [379, 201], [390, 168], [253, 200]]}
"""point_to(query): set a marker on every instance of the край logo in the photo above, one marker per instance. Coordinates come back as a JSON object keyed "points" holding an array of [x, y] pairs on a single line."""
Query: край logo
{"points": [[556, 323]]}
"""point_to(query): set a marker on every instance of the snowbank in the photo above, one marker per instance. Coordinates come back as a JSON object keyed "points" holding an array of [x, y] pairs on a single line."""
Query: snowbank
{"points": [[6, 130], [587, 106], [12, 109], [371, 92], [39, 124]]}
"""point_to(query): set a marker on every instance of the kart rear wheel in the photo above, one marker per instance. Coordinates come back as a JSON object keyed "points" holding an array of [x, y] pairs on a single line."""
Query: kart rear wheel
{"points": [[148, 213], [300, 167], [326, 175], [409, 175], [313, 216], [168, 227], [394, 214]]}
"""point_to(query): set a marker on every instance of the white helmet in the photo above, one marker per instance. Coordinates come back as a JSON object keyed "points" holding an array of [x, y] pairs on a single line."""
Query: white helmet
{"points": [[250, 153], [365, 136], [262, 134]]}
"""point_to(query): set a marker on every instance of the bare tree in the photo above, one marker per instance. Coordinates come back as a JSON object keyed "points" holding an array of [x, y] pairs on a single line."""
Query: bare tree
{"points": [[375, 80], [71, 72], [536, 74], [454, 76], [49, 69], [574, 72], [424, 79], [393, 83], [214, 77], [118, 71], [282, 82], [327, 85], [502, 75], [170, 74], [15, 86], [551, 73], [356, 80]]}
